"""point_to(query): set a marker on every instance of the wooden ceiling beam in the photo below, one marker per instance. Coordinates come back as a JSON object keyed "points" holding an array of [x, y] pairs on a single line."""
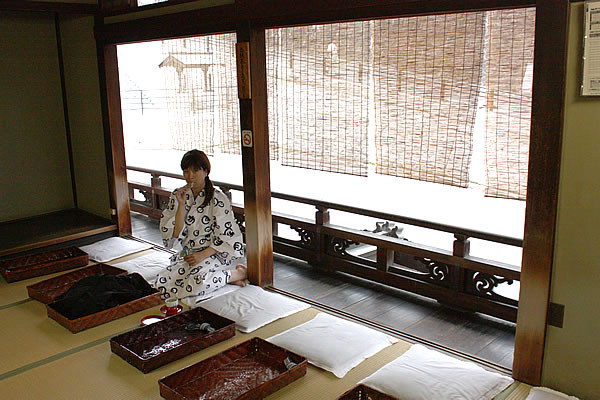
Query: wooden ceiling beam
{"points": [[278, 13], [46, 6]]}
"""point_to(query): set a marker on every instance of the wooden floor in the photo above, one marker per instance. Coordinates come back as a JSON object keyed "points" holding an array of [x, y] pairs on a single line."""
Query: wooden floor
{"points": [[485, 338]]}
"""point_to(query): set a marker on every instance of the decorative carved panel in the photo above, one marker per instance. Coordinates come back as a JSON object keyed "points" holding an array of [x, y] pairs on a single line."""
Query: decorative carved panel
{"points": [[482, 284], [437, 272], [307, 238], [339, 246]]}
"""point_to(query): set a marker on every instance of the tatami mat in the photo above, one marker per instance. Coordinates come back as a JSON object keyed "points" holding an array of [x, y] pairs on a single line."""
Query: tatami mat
{"points": [[28, 335], [42, 360], [96, 373], [519, 392]]}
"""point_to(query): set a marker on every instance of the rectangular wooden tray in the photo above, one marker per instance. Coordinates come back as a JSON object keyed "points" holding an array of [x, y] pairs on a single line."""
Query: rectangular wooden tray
{"points": [[251, 370], [102, 317], [362, 392], [160, 343], [42, 263], [50, 290]]}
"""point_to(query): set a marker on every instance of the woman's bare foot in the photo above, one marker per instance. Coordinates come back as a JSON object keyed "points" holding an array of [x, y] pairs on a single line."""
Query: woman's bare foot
{"points": [[239, 275]]}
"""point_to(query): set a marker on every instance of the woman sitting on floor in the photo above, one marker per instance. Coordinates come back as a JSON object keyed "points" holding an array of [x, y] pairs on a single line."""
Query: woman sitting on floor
{"points": [[199, 222]]}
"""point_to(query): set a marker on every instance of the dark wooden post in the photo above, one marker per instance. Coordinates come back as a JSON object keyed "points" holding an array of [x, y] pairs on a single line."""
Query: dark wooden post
{"points": [[321, 218], [252, 92], [155, 183], [385, 258], [155, 180], [461, 248], [547, 108], [113, 136]]}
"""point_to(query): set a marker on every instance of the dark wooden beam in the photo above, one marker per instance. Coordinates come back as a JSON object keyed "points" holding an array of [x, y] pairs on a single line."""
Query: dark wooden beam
{"points": [[189, 23], [113, 137], [63, 86], [551, 27], [47, 6], [272, 13], [255, 156]]}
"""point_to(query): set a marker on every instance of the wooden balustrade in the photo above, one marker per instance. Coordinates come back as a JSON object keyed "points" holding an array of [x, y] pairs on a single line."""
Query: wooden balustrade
{"points": [[454, 278]]}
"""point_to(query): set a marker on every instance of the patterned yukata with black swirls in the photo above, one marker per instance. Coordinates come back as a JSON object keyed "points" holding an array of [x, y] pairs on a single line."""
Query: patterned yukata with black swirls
{"points": [[210, 226]]}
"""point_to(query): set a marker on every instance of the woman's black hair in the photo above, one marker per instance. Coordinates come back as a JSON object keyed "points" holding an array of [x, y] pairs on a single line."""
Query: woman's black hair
{"points": [[198, 159]]}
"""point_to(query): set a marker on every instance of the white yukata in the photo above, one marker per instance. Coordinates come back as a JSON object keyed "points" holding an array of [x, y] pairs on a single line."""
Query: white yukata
{"points": [[210, 226]]}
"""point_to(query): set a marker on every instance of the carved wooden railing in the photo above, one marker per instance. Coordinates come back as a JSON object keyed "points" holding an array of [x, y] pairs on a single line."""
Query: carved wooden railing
{"points": [[452, 277]]}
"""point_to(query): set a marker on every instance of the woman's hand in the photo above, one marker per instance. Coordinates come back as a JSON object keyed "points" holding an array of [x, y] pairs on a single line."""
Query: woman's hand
{"points": [[180, 193], [196, 258]]}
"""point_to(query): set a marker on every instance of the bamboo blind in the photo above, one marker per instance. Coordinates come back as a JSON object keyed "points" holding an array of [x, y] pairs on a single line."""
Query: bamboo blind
{"points": [[318, 95], [509, 87], [411, 85], [427, 75], [202, 101]]}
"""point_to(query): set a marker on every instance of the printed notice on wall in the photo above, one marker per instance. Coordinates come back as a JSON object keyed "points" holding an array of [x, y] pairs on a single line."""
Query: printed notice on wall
{"points": [[591, 50]]}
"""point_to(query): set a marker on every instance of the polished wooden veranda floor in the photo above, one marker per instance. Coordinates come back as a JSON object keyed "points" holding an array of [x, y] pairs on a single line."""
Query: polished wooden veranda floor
{"points": [[485, 338]]}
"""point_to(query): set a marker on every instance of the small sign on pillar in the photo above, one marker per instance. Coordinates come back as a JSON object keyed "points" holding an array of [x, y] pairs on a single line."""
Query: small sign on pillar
{"points": [[243, 70], [247, 138]]}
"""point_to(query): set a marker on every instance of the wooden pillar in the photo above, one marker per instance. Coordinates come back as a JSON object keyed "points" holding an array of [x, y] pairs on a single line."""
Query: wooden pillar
{"points": [[321, 218], [113, 136], [252, 91], [461, 248], [385, 258], [551, 27]]}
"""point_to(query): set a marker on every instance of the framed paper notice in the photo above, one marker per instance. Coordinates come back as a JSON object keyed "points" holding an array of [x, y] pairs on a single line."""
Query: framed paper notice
{"points": [[591, 49]]}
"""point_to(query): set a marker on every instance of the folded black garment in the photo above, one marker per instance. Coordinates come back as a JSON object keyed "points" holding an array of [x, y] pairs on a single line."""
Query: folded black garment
{"points": [[99, 292]]}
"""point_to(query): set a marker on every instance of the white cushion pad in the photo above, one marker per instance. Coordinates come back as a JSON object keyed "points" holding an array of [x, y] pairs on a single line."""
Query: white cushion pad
{"points": [[114, 247], [148, 265], [197, 301], [423, 374], [252, 307], [541, 393], [333, 343]]}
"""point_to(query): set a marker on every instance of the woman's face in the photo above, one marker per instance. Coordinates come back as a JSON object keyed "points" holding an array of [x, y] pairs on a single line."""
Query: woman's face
{"points": [[195, 177]]}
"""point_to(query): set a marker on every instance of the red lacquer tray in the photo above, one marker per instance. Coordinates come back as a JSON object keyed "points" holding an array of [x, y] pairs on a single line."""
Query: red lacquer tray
{"points": [[170, 339], [102, 317], [362, 392], [251, 370], [43, 263], [51, 289]]}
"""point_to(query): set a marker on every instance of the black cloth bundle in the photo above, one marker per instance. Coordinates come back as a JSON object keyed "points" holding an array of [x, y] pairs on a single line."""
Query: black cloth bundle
{"points": [[100, 292]]}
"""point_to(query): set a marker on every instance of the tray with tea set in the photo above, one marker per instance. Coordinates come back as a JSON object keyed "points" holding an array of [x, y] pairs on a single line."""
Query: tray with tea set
{"points": [[42, 263], [251, 370], [171, 338]]}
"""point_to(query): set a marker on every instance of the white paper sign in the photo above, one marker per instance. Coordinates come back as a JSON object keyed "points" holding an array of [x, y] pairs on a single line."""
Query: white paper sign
{"points": [[247, 138], [591, 50]]}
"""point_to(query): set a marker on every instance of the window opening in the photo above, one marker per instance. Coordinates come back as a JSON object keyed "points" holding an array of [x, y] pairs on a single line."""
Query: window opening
{"points": [[391, 113]]}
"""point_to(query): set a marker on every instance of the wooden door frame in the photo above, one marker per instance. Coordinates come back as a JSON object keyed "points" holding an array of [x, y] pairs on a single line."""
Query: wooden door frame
{"points": [[547, 114], [114, 144], [546, 124]]}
